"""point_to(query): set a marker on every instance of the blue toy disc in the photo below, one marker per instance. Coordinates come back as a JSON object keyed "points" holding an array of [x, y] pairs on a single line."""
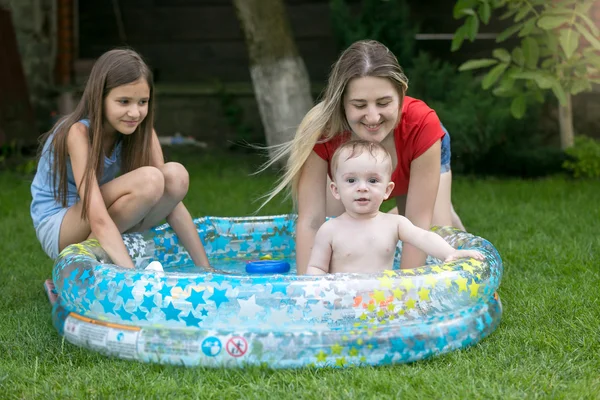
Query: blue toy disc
{"points": [[268, 267]]}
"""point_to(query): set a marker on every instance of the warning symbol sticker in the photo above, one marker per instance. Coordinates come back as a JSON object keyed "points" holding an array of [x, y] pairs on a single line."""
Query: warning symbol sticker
{"points": [[237, 346]]}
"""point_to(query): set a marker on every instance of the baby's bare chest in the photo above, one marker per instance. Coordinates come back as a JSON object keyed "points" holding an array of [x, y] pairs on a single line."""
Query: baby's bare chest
{"points": [[354, 242]]}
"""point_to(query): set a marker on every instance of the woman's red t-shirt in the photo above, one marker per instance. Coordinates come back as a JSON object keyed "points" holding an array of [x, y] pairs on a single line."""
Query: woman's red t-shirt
{"points": [[419, 128]]}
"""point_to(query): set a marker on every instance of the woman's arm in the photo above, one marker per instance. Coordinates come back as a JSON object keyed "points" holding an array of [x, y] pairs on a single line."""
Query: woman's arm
{"points": [[101, 224], [180, 218], [320, 257], [312, 188], [420, 200]]}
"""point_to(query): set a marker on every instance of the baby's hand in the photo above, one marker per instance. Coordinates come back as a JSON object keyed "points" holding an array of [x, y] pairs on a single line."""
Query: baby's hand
{"points": [[457, 254]]}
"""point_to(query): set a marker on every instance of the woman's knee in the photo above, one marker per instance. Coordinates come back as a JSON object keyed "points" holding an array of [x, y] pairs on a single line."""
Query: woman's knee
{"points": [[176, 180]]}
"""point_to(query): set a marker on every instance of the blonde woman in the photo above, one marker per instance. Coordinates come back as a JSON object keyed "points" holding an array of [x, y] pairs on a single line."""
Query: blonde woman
{"points": [[365, 98]]}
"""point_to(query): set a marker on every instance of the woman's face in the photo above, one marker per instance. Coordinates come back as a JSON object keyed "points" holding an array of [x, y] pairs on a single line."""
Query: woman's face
{"points": [[372, 107]]}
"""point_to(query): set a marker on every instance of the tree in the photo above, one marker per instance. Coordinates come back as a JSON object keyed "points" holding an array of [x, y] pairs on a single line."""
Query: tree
{"points": [[279, 76], [558, 51]]}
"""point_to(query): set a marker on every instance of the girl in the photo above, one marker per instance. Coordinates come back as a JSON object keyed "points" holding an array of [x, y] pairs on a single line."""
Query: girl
{"points": [[77, 190], [365, 98]]}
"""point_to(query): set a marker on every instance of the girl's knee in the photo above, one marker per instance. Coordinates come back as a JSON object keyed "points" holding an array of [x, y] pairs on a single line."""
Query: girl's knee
{"points": [[151, 183], [176, 180]]}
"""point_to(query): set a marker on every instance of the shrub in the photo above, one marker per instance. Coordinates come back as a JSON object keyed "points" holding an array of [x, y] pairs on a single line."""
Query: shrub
{"points": [[486, 139], [584, 158]]}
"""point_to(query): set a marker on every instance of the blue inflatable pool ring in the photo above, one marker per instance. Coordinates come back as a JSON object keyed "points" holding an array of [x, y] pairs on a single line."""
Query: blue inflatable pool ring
{"points": [[187, 316], [268, 267]]}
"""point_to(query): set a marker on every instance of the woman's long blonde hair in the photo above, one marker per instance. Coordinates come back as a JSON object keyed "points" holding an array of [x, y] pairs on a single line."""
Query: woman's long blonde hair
{"points": [[327, 119], [112, 69]]}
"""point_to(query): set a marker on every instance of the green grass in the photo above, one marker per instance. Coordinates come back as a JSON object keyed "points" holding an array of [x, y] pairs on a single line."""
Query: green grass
{"points": [[547, 345]]}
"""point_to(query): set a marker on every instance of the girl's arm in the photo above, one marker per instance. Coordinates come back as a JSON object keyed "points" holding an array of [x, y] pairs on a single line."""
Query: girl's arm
{"points": [[180, 218], [320, 256], [101, 224], [420, 200], [312, 188]]}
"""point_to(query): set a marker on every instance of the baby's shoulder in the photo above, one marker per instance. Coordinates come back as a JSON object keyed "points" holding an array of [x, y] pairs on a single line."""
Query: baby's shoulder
{"points": [[394, 221], [330, 224]]}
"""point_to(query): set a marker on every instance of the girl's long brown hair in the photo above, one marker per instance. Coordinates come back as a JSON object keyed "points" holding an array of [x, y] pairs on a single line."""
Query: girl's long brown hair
{"points": [[114, 68]]}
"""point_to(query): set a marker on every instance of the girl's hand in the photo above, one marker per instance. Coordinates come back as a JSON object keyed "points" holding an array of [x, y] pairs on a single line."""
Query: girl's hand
{"points": [[458, 254]]}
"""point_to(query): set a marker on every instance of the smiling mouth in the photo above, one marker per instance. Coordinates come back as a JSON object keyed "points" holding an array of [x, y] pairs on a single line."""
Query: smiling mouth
{"points": [[373, 127]]}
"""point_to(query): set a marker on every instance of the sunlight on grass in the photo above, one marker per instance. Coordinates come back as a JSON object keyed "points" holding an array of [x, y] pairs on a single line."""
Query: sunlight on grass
{"points": [[547, 344]]}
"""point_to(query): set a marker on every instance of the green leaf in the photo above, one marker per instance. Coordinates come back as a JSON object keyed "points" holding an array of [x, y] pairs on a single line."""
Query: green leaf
{"points": [[502, 55], [588, 36], [592, 58], [507, 14], [542, 79], [560, 94], [472, 26], [461, 5], [548, 63], [569, 41], [528, 27], [552, 22], [518, 107], [479, 63], [485, 12], [459, 38], [523, 12], [501, 92], [591, 25], [531, 52], [517, 56], [584, 7], [580, 85], [508, 32], [493, 75], [505, 87], [552, 43]]}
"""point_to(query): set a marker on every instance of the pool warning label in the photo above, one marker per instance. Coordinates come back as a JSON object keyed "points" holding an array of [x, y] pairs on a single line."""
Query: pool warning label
{"points": [[237, 346]]}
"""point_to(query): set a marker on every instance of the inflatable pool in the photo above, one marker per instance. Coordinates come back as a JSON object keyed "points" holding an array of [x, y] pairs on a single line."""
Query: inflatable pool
{"points": [[190, 317]]}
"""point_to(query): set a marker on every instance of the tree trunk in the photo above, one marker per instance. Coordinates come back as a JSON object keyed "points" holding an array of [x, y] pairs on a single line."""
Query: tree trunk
{"points": [[34, 23], [565, 119], [279, 76]]}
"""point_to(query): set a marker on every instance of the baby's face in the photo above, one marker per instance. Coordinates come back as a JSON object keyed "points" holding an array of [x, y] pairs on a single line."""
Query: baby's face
{"points": [[362, 183]]}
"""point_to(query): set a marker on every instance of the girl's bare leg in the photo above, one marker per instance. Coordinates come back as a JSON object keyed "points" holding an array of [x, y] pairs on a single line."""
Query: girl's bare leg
{"points": [[176, 183], [128, 199]]}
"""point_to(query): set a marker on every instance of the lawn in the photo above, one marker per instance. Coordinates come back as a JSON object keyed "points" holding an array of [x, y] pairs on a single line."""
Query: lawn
{"points": [[547, 345]]}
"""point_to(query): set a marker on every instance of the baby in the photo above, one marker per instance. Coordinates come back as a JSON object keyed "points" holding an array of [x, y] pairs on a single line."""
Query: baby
{"points": [[363, 239]]}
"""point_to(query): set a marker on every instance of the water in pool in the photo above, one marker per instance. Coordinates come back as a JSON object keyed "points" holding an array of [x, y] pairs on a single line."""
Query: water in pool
{"points": [[235, 266]]}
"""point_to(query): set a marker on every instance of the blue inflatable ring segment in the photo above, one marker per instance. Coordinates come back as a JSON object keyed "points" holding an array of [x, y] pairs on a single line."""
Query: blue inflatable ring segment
{"points": [[268, 267]]}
